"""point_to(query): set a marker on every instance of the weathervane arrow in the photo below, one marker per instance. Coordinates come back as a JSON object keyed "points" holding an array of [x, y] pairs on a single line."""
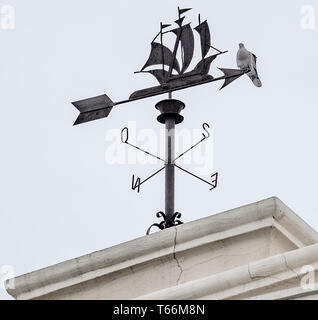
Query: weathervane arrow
{"points": [[100, 106], [173, 75], [175, 78]]}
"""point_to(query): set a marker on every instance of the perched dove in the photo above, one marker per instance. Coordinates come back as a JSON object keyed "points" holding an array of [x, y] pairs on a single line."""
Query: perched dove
{"points": [[247, 60]]}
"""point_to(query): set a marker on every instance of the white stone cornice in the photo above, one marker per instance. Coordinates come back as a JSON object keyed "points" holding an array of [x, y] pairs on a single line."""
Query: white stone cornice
{"points": [[276, 271], [186, 253]]}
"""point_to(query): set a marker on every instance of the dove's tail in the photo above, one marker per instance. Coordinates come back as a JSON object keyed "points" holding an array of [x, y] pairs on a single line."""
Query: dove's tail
{"points": [[255, 79], [257, 82]]}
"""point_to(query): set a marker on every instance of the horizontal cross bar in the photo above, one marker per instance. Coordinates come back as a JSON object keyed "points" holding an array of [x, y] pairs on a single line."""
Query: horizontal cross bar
{"points": [[147, 152], [193, 175]]}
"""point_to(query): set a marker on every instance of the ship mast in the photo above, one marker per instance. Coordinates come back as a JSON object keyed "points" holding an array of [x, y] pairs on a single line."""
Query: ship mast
{"points": [[161, 41], [176, 45], [199, 17]]}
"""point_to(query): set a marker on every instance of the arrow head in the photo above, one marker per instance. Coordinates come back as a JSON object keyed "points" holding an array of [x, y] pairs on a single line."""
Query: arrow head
{"points": [[230, 75]]}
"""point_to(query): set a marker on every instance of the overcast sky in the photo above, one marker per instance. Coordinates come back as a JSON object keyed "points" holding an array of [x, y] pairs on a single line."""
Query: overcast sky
{"points": [[60, 198]]}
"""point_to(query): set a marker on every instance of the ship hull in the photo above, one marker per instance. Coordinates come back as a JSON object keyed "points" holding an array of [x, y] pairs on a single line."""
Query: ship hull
{"points": [[172, 85]]}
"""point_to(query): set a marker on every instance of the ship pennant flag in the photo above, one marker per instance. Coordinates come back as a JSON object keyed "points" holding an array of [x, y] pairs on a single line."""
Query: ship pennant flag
{"points": [[182, 11], [163, 26]]}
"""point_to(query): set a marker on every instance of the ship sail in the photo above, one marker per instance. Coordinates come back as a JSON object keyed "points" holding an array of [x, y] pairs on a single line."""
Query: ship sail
{"points": [[203, 66], [205, 37], [160, 75], [187, 44], [161, 55]]}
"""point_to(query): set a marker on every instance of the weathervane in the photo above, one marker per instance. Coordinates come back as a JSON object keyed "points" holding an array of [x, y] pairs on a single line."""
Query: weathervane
{"points": [[172, 77]]}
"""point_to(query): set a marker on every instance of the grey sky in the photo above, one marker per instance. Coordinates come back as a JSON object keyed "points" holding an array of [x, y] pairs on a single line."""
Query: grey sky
{"points": [[59, 198]]}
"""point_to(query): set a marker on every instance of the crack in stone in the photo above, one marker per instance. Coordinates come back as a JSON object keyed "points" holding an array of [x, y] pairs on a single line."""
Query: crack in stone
{"points": [[291, 269], [175, 256], [132, 270], [272, 276]]}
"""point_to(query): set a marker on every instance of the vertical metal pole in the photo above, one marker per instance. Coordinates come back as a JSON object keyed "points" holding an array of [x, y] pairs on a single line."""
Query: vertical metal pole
{"points": [[169, 116], [169, 167]]}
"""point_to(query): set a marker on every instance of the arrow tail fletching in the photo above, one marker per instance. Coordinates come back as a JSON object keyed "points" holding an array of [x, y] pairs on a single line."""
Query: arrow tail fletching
{"points": [[93, 108], [92, 115]]}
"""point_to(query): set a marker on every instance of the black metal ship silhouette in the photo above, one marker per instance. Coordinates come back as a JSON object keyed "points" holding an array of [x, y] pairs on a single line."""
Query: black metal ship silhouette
{"points": [[161, 55], [171, 74]]}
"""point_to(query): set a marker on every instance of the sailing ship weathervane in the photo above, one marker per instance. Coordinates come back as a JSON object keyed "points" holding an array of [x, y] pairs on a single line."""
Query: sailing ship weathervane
{"points": [[173, 76]]}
